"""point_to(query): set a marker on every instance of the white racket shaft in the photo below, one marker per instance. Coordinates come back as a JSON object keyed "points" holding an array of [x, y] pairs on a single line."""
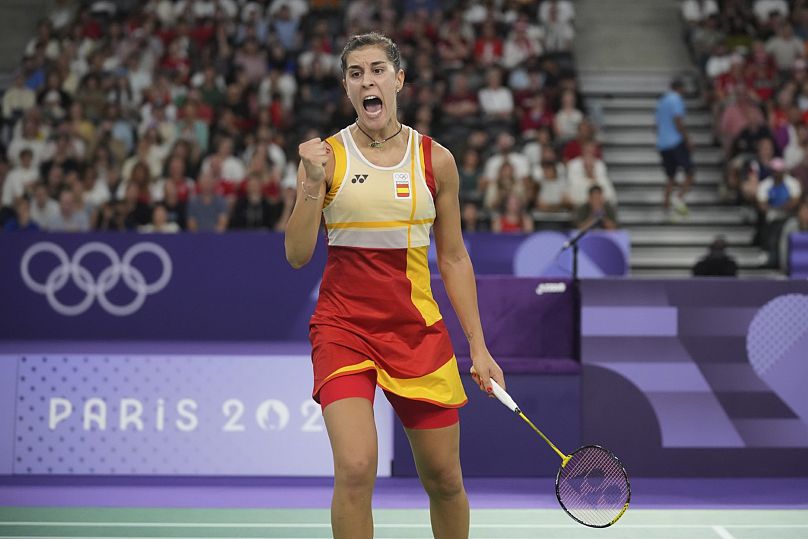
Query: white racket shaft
{"points": [[503, 397]]}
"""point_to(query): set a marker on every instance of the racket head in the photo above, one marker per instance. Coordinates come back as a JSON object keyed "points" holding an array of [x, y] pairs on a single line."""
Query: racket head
{"points": [[593, 487]]}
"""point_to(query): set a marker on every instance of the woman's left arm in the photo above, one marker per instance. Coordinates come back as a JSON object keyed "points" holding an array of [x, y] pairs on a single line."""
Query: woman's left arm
{"points": [[455, 267]]}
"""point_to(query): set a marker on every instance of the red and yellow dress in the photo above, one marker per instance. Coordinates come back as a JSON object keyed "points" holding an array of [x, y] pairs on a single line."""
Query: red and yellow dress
{"points": [[375, 310]]}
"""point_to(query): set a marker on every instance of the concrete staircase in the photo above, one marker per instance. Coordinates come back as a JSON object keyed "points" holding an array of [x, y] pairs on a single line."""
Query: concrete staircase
{"points": [[661, 246], [21, 17]]}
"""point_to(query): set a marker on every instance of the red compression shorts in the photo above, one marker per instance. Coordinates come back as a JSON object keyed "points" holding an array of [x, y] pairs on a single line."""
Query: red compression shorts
{"points": [[413, 414]]}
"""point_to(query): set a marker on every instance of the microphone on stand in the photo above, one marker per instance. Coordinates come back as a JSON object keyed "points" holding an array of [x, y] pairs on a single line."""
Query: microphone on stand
{"points": [[581, 233]]}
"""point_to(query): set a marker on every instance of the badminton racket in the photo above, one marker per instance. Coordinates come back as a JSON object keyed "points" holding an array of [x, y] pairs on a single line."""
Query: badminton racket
{"points": [[591, 485]]}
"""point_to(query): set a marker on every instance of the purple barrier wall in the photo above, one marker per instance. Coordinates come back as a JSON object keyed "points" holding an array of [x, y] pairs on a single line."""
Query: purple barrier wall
{"points": [[104, 306], [602, 253], [798, 256], [173, 411], [234, 287], [697, 377]]}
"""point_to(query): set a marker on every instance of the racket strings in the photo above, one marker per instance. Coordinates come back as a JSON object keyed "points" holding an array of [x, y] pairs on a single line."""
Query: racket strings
{"points": [[593, 486]]}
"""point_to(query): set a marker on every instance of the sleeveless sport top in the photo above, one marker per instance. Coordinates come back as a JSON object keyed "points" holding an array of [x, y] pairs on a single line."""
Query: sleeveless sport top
{"points": [[375, 309]]}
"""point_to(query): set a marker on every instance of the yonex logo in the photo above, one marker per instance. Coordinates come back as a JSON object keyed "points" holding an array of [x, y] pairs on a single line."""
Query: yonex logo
{"points": [[96, 287], [359, 178]]}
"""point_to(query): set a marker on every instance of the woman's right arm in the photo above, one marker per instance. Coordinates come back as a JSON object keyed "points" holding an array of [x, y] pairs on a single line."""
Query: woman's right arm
{"points": [[316, 166]]}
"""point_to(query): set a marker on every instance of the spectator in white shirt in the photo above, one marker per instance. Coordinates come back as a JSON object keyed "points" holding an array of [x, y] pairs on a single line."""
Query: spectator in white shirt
{"points": [[785, 48], [564, 11], [495, 99], [763, 8], [584, 172], [696, 11], [567, 118], [20, 179], [506, 151], [43, 208]]}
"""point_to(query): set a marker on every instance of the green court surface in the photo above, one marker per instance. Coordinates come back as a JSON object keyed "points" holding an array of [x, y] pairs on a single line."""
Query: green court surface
{"points": [[398, 523]]}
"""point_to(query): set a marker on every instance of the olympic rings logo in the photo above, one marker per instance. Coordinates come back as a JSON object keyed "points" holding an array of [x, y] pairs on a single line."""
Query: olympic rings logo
{"points": [[96, 288]]}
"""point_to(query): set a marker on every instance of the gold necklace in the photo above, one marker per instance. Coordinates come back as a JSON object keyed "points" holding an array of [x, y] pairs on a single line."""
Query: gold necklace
{"points": [[378, 143]]}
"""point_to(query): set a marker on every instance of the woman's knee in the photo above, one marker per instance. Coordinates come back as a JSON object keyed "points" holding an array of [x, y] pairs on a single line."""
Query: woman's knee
{"points": [[444, 483], [355, 471]]}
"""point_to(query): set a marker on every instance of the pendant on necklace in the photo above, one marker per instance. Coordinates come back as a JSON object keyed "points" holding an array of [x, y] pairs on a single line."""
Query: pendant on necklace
{"points": [[376, 144]]}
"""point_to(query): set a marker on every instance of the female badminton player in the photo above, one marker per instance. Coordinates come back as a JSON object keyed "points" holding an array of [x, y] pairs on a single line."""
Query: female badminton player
{"points": [[381, 187]]}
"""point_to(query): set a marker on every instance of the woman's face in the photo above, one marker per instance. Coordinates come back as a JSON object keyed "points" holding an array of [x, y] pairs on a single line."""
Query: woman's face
{"points": [[372, 82]]}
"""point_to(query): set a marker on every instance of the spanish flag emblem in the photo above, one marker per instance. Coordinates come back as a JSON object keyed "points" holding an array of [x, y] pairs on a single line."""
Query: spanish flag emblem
{"points": [[401, 180]]}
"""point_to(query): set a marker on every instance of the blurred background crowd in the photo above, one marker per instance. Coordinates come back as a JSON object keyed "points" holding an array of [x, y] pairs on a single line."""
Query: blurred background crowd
{"points": [[171, 115], [752, 57]]}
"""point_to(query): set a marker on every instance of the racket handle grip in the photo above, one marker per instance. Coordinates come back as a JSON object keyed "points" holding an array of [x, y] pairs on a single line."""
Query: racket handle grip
{"points": [[503, 397]]}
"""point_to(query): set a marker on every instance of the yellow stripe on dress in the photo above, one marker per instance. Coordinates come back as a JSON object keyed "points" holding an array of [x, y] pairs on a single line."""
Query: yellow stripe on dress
{"points": [[351, 369], [441, 386], [412, 183], [340, 163], [420, 287]]}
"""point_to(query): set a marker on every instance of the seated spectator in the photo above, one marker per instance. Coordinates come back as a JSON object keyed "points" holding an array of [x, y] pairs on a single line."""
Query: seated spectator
{"points": [[797, 148], [159, 222], [795, 224], [253, 210], [133, 210], [69, 218], [520, 46], [785, 48], [20, 179], [553, 189], [534, 144], [536, 114], [586, 134], [717, 263], [512, 217], [21, 222], [560, 10], [697, 11], [764, 8], [586, 171], [744, 145], [596, 210], [557, 22], [501, 186], [779, 193], [489, 46], [43, 208], [756, 170], [227, 169], [31, 136], [176, 208], [207, 211], [17, 99], [496, 100], [567, 118], [470, 217], [506, 151], [778, 196], [461, 103], [470, 175]]}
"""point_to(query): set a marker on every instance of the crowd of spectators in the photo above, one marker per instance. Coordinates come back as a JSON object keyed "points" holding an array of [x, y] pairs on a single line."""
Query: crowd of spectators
{"points": [[169, 115], [754, 59]]}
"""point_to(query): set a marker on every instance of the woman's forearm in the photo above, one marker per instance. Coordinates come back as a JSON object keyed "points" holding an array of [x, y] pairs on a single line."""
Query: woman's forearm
{"points": [[303, 226], [461, 286]]}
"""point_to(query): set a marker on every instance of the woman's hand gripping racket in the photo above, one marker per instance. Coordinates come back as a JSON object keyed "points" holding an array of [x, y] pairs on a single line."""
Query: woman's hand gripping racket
{"points": [[591, 485]]}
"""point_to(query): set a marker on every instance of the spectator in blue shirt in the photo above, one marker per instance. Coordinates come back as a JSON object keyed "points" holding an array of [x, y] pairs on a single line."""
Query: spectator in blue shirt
{"points": [[673, 143]]}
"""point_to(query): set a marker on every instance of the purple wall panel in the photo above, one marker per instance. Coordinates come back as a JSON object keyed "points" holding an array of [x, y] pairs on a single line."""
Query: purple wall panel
{"points": [[798, 259], [8, 383], [723, 396]]}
